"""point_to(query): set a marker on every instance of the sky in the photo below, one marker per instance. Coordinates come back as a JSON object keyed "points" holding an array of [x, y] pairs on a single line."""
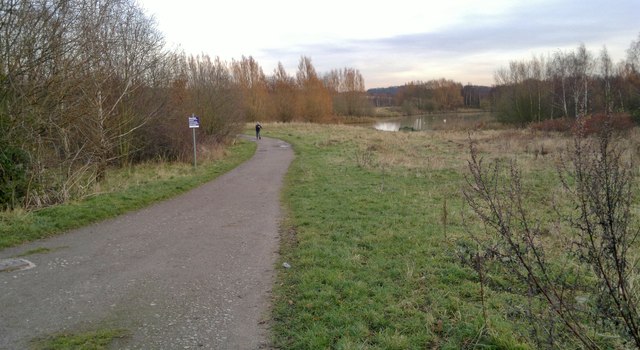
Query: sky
{"points": [[395, 42]]}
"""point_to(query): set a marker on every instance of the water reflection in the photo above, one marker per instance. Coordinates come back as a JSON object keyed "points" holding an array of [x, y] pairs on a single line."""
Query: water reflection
{"points": [[433, 121], [387, 126]]}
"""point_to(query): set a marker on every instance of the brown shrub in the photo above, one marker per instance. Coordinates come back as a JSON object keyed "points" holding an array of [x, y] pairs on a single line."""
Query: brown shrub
{"points": [[558, 125], [593, 124]]}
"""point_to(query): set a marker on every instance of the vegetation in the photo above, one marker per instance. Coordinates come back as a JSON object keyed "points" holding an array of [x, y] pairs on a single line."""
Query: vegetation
{"points": [[88, 85], [124, 190], [384, 251], [569, 85], [584, 291], [432, 96], [96, 340]]}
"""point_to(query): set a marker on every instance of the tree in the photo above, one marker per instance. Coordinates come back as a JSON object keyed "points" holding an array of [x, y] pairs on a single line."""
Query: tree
{"points": [[120, 47], [248, 76], [316, 99], [349, 96], [447, 94], [35, 42], [569, 84], [284, 95], [632, 78], [214, 97], [77, 82]]}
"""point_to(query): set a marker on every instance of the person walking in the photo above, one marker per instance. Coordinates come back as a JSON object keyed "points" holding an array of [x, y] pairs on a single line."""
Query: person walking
{"points": [[258, 128]]}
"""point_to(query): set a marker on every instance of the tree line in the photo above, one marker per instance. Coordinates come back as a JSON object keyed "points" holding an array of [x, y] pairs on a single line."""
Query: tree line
{"points": [[436, 95], [561, 85], [568, 85], [88, 84]]}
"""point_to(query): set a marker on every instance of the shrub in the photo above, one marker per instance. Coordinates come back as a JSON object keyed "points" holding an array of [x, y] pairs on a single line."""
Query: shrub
{"points": [[559, 125], [589, 289], [590, 125], [14, 182], [597, 124], [635, 115]]}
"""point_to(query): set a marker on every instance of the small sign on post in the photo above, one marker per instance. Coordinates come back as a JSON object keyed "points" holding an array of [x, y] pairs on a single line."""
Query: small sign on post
{"points": [[194, 123]]}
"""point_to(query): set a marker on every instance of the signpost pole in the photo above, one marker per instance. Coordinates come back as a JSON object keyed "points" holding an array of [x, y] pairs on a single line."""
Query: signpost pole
{"points": [[194, 123], [194, 146]]}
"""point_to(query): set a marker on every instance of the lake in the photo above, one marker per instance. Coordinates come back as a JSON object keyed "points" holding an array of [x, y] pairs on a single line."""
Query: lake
{"points": [[436, 121]]}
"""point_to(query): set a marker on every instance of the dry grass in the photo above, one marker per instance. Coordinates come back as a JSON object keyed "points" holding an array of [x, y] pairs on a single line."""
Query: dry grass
{"points": [[157, 170], [375, 266], [421, 154], [428, 149]]}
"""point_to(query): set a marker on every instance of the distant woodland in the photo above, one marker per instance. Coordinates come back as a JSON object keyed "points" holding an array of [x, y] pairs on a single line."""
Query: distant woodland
{"points": [[87, 84], [561, 85], [568, 85]]}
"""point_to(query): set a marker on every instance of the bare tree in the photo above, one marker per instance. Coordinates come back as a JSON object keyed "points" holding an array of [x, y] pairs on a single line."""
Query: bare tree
{"points": [[75, 77], [284, 95], [633, 55], [606, 76], [120, 48], [348, 90], [250, 79], [34, 46], [315, 97], [214, 97]]}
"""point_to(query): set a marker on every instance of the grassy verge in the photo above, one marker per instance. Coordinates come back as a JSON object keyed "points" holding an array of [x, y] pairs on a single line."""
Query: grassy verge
{"points": [[372, 266], [96, 340], [125, 190]]}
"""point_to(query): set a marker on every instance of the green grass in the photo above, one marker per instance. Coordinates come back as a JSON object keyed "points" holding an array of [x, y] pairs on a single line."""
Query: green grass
{"points": [[94, 340], [39, 250], [125, 190], [371, 267]]}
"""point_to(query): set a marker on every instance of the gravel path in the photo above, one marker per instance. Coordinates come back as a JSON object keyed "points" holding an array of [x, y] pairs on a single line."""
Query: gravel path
{"points": [[194, 272]]}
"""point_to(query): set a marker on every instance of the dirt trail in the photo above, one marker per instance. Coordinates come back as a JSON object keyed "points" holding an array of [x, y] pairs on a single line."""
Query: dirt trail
{"points": [[194, 272]]}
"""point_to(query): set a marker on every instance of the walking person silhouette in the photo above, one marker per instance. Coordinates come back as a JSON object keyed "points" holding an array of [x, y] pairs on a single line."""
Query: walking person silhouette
{"points": [[258, 128]]}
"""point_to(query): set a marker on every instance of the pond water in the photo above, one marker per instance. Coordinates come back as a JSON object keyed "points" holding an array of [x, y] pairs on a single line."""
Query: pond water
{"points": [[435, 121]]}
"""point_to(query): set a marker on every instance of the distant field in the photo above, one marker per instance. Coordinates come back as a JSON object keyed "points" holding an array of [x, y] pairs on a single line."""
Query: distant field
{"points": [[378, 249]]}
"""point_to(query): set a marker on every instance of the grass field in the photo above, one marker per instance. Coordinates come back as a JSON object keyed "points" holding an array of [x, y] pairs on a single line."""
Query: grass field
{"points": [[376, 239]]}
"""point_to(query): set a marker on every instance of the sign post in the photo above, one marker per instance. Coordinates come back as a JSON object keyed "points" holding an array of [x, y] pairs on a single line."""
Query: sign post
{"points": [[194, 123]]}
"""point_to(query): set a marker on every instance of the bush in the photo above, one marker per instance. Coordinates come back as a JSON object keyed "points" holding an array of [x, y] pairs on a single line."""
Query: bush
{"points": [[596, 124], [559, 125], [635, 116], [587, 284], [14, 182], [590, 125]]}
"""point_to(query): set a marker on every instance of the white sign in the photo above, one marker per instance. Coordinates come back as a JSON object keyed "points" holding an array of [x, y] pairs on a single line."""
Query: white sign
{"points": [[194, 122]]}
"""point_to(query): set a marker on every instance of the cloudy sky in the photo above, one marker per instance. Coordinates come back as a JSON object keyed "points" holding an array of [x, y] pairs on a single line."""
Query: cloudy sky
{"points": [[394, 42]]}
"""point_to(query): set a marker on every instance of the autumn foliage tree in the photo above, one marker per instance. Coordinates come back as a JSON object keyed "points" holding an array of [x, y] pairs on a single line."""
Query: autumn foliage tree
{"points": [[315, 97], [347, 88], [433, 95], [284, 95], [252, 83]]}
